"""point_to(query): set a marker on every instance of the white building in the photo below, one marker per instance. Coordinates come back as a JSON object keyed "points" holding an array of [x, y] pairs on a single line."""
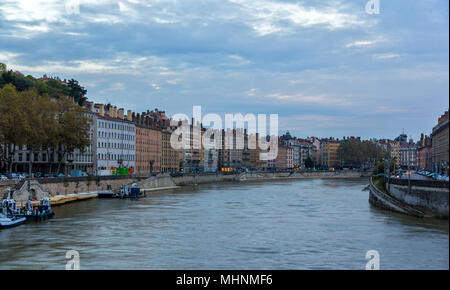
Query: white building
{"points": [[115, 144]]}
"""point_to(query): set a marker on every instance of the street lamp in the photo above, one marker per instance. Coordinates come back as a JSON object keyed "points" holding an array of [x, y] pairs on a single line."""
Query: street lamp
{"points": [[70, 159], [151, 166]]}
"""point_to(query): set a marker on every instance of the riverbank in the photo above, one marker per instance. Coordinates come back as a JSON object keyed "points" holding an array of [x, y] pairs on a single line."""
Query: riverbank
{"points": [[69, 189], [419, 198]]}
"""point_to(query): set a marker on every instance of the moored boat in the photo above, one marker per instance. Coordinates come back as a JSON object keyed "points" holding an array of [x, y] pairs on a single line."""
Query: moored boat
{"points": [[130, 192], [37, 213], [11, 221], [10, 216], [105, 194]]}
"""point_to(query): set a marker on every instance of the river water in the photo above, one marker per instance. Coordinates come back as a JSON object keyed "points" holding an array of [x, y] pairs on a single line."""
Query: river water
{"points": [[301, 224]]}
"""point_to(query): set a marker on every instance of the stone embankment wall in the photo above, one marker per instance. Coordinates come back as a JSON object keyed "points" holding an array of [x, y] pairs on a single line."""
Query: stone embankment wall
{"points": [[156, 182], [188, 179], [63, 186], [429, 196], [385, 201]]}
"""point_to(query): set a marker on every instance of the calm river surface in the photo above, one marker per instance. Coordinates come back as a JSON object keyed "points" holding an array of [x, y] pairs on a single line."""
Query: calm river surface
{"points": [[303, 224]]}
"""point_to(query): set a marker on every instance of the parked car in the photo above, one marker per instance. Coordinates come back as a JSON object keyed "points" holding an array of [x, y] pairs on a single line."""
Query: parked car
{"points": [[3, 178], [60, 175]]}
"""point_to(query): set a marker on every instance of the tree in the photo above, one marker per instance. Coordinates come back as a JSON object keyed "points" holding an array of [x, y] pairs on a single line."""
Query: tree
{"points": [[2, 67], [379, 168], [358, 154], [14, 127], [77, 92], [309, 163], [73, 129], [40, 112]]}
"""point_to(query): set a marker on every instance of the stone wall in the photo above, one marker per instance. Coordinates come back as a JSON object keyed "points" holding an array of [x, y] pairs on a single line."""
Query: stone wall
{"points": [[64, 186], [429, 196], [156, 182], [261, 176], [386, 201]]}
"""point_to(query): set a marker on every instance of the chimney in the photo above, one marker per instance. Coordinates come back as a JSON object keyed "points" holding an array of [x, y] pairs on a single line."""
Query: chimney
{"points": [[111, 112], [114, 111], [121, 112], [129, 116], [101, 110]]}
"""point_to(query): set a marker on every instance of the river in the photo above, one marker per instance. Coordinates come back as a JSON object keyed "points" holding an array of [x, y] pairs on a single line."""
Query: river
{"points": [[295, 224]]}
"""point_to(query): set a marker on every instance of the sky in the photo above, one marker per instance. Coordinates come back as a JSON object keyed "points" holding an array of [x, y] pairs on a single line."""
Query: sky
{"points": [[327, 68]]}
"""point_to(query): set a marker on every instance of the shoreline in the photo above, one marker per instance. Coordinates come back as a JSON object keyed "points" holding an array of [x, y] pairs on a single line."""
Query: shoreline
{"points": [[66, 190]]}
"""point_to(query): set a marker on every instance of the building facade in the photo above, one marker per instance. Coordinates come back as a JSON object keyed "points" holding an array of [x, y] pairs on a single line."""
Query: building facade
{"points": [[329, 153], [408, 156], [425, 153], [115, 145], [149, 144], [170, 156], [285, 158], [440, 145]]}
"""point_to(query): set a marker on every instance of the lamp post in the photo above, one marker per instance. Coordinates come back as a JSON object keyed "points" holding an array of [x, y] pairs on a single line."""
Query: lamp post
{"points": [[70, 160], [151, 166], [120, 162], [388, 168]]}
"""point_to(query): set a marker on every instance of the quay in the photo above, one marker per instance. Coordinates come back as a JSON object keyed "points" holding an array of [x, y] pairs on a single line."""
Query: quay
{"points": [[419, 198], [66, 190]]}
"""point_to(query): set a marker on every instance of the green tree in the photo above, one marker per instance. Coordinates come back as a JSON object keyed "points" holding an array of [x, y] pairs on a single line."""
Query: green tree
{"points": [[14, 126], [379, 168], [309, 163], [2, 67], [77, 92], [40, 112], [358, 154], [73, 129]]}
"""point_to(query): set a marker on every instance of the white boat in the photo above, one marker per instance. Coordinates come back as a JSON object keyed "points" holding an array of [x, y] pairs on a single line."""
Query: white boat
{"points": [[11, 221], [8, 213]]}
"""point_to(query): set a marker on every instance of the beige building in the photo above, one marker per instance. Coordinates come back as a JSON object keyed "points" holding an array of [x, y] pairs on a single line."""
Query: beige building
{"points": [[329, 153], [395, 152], [440, 145], [170, 156], [285, 157]]}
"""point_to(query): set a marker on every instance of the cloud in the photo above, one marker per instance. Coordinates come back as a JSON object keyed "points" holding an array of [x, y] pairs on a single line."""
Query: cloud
{"points": [[386, 55], [299, 98], [361, 43], [365, 43], [267, 17], [325, 61]]}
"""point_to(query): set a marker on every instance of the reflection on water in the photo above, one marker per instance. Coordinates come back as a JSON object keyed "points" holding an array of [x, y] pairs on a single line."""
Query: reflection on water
{"points": [[304, 224]]}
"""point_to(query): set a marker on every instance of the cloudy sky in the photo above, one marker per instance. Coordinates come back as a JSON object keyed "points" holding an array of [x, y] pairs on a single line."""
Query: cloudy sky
{"points": [[327, 68]]}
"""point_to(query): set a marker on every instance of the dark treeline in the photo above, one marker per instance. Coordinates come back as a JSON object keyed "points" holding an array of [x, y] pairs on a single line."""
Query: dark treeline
{"points": [[358, 154], [40, 116], [53, 87]]}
